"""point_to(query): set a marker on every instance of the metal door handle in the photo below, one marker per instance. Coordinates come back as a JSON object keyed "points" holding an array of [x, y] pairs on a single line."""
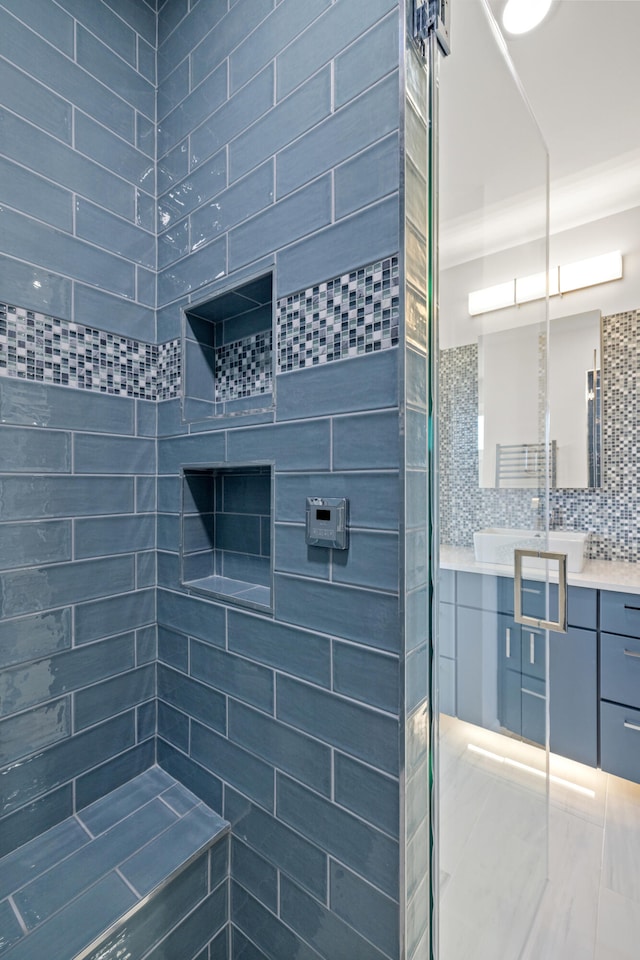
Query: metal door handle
{"points": [[559, 625]]}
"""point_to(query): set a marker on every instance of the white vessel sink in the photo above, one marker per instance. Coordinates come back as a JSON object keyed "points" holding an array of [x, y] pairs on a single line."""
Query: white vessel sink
{"points": [[496, 545]]}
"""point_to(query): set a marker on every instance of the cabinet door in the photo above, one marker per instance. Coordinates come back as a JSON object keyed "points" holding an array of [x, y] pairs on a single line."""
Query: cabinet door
{"points": [[534, 710], [477, 666], [509, 642], [573, 692], [533, 652]]}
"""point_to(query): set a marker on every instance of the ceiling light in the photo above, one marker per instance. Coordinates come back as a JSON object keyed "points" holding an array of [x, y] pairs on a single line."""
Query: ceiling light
{"points": [[520, 16]]}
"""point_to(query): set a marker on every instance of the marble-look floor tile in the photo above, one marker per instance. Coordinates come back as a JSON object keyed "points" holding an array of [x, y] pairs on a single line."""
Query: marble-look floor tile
{"points": [[621, 856], [618, 935]]}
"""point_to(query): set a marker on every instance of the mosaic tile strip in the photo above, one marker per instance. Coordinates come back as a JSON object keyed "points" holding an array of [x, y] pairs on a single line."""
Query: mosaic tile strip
{"points": [[611, 513], [351, 315], [35, 346], [244, 367]]}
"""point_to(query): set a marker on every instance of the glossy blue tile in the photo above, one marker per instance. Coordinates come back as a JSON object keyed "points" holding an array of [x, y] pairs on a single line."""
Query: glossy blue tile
{"points": [[173, 89], [103, 310], [235, 115], [169, 536], [34, 451], [371, 175], [114, 615], [96, 142], [113, 234], [169, 492], [34, 819], [109, 69], [373, 497], [170, 17], [196, 271], [169, 571], [373, 915], [67, 78], [284, 848], [43, 154], [33, 195], [192, 775], [145, 135], [186, 195], [33, 404], [350, 727], [193, 110], [192, 698], [37, 588], [41, 680], [111, 697], [113, 455], [366, 442], [196, 617], [184, 838], [104, 23], [65, 760], [255, 874], [228, 33], [174, 243], [283, 123], [172, 168], [50, 22], [140, 17], [237, 566], [371, 561], [146, 279], [55, 250], [292, 555], [147, 59], [36, 856], [321, 927], [295, 446], [368, 793], [152, 923], [344, 134], [340, 25], [33, 637], [297, 216], [273, 937], [372, 678], [34, 102], [272, 35], [146, 644], [33, 498], [367, 60], [112, 535], [370, 853], [244, 949], [176, 42], [302, 653], [305, 759], [180, 799], [173, 649], [367, 236], [124, 800], [34, 730], [196, 930], [115, 771], [33, 287], [233, 675], [233, 764], [219, 861], [237, 532], [28, 544], [10, 929], [348, 612], [80, 922], [59, 885], [173, 726], [146, 722], [244, 199], [146, 219], [146, 569]]}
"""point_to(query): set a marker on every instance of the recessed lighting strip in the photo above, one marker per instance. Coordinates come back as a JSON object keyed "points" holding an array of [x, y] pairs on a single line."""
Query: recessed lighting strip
{"points": [[509, 762]]}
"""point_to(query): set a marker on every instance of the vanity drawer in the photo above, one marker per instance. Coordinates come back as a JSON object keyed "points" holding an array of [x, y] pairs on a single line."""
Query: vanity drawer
{"points": [[582, 605], [620, 741], [620, 613], [620, 669]]}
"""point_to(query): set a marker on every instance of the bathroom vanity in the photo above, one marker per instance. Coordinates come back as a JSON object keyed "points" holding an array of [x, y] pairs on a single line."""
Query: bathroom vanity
{"points": [[493, 670]]}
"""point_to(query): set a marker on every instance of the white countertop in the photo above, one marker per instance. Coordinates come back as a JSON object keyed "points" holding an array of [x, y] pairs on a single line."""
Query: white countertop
{"points": [[596, 574]]}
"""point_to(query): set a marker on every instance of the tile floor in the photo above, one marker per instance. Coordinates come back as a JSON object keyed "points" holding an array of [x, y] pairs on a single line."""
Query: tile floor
{"points": [[496, 900]]}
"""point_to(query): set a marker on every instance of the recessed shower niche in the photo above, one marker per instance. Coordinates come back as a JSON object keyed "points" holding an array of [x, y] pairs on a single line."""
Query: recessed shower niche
{"points": [[226, 532], [227, 352]]}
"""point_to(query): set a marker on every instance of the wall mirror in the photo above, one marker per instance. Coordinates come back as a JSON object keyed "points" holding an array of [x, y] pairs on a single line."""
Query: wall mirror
{"points": [[511, 406]]}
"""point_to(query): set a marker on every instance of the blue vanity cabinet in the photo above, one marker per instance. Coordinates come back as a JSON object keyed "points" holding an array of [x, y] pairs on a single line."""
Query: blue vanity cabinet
{"points": [[620, 684], [573, 705]]}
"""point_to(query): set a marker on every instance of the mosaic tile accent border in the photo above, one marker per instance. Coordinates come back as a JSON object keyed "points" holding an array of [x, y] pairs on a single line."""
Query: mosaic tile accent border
{"points": [[244, 367], [611, 513], [349, 316], [44, 349]]}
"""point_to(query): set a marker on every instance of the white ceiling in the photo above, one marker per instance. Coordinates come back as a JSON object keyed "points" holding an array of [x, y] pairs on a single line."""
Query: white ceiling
{"points": [[580, 70]]}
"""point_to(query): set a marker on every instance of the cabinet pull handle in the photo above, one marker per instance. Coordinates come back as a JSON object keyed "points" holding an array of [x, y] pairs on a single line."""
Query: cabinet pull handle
{"points": [[532, 648], [629, 606], [631, 726], [508, 643], [632, 653], [531, 590], [538, 696]]}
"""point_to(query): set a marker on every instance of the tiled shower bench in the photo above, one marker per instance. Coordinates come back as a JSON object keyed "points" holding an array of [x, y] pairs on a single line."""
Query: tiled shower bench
{"points": [[141, 872]]}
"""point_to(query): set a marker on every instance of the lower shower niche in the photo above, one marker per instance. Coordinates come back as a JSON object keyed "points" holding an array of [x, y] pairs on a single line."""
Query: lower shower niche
{"points": [[226, 532]]}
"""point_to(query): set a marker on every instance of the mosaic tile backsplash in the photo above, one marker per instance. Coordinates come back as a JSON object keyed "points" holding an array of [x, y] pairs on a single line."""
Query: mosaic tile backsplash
{"points": [[351, 315], [610, 513]]}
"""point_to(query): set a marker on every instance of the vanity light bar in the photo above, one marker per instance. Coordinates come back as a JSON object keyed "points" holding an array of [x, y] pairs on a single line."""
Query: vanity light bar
{"points": [[564, 279]]}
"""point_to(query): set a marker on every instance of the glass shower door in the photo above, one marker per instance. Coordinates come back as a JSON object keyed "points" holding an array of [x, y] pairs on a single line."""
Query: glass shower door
{"points": [[494, 463]]}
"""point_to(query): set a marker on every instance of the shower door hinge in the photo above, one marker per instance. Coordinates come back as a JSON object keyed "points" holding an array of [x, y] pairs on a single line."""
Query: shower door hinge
{"points": [[432, 17]]}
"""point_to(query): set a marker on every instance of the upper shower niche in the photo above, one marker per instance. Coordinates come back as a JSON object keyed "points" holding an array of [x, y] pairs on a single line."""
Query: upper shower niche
{"points": [[227, 352]]}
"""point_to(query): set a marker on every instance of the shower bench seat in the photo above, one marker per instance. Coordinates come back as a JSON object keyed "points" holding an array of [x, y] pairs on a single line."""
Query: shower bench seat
{"points": [[117, 877]]}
